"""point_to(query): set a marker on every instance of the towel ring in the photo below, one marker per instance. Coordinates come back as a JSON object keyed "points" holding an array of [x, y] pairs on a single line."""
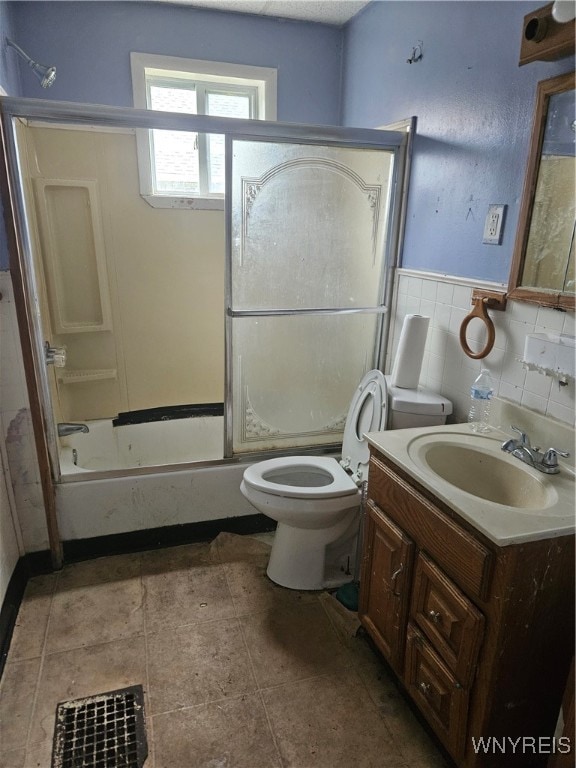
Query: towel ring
{"points": [[479, 311]]}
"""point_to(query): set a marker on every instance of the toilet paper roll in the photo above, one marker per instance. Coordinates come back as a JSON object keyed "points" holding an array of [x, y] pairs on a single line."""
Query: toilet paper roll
{"points": [[408, 362]]}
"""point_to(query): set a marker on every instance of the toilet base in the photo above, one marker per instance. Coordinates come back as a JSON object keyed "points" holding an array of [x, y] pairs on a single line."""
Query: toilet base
{"points": [[298, 559]]}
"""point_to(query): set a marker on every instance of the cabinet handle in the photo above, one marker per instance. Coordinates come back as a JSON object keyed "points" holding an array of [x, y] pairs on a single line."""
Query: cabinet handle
{"points": [[425, 688], [395, 575], [435, 617]]}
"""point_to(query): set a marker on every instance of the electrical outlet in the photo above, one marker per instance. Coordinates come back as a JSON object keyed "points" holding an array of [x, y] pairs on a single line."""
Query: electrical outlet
{"points": [[494, 225]]}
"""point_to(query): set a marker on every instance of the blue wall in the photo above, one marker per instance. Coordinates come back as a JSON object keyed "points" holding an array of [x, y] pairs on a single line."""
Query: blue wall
{"points": [[10, 82], [90, 44], [9, 71], [474, 106]]}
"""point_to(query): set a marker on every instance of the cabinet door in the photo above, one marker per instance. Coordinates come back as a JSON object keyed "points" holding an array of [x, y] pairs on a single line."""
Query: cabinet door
{"points": [[452, 623], [385, 584]]}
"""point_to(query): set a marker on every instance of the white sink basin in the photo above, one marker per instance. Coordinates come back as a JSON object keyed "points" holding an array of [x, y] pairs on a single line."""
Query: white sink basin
{"points": [[477, 466], [500, 496]]}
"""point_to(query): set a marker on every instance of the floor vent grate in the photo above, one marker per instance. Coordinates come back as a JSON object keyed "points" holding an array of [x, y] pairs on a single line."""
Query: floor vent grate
{"points": [[103, 731]]}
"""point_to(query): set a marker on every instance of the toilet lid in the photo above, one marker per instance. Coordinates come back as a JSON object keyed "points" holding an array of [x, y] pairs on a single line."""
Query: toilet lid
{"points": [[367, 414]]}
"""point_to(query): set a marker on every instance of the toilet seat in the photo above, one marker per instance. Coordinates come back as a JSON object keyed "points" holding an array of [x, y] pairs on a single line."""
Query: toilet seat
{"points": [[324, 476], [367, 413], [321, 477]]}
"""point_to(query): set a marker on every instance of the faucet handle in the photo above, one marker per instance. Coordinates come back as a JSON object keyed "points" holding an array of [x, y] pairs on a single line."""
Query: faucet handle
{"points": [[550, 458], [524, 439]]}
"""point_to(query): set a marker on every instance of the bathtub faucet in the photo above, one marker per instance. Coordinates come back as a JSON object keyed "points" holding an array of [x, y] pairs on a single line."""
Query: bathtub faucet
{"points": [[69, 429]]}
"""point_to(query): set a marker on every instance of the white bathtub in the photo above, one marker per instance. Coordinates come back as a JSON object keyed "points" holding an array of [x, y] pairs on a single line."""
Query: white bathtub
{"points": [[176, 441], [125, 480]]}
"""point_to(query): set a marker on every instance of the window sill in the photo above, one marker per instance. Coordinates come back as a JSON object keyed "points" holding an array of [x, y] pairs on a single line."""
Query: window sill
{"points": [[186, 203]]}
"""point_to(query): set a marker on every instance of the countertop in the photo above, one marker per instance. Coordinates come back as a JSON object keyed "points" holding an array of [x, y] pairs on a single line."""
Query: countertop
{"points": [[502, 524]]}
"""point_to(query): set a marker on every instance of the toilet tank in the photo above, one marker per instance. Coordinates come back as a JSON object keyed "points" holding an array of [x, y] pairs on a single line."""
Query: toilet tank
{"points": [[416, 408]]}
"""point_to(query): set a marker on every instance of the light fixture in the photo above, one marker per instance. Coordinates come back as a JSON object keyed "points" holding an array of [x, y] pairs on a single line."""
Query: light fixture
{"points": [[564, 11], [46, 75]]}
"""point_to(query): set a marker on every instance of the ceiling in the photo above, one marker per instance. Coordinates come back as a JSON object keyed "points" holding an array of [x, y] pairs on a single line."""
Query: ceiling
{"points": [[335, 12]]}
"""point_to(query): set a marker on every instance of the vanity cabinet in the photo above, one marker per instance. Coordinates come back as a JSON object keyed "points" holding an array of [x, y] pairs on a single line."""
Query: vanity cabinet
{"points": [[480, 636]]}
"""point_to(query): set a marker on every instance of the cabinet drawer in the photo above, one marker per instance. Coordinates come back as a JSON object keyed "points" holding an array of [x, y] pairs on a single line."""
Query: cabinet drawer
{"points": [[439, 696], [451, 622], [458, 553]]}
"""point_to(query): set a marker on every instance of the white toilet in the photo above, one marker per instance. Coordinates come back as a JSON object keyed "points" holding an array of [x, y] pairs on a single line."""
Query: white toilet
{"points": [[316, 499]]}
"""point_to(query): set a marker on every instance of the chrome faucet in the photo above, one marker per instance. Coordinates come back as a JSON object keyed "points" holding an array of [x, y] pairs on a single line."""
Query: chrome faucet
{"points": [[546, 461], [65, 429]]}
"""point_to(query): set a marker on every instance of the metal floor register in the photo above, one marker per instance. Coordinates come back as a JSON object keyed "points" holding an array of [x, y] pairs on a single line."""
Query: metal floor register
{"points": [[103, 731]]}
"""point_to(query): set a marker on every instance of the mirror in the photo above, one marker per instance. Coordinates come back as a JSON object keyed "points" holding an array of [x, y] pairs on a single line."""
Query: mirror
{"points": [[543, 264]]}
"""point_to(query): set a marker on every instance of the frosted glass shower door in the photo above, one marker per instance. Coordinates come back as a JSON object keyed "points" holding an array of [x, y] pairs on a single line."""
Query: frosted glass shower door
{"points": [[309, 228]]}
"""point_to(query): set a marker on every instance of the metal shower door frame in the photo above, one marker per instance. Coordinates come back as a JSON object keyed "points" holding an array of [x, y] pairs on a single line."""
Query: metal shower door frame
{"points": [[20, 249]]}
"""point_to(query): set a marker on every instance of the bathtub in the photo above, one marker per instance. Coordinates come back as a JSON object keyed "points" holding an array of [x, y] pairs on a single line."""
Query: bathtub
{"points": [[142, 476], [157, 443]]}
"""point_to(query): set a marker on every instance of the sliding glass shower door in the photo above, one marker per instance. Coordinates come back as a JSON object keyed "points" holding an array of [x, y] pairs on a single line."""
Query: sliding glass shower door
{"points": [[309, 230]]}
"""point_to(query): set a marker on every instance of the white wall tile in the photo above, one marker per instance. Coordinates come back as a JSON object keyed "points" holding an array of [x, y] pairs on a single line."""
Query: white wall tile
{"points": [[522, 312], [444, 293], [535, 403], [538, 384], [462, 297], [16, 428], [449, 371], [429, 290], [549, 320]]}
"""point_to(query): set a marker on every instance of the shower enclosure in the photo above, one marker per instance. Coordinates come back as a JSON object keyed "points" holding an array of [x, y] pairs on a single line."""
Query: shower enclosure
{"points": [[271, 310]]}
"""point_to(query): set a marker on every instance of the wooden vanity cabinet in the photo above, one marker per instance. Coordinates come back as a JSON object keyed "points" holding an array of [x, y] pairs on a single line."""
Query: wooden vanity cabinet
{"points": [[480, 636]]}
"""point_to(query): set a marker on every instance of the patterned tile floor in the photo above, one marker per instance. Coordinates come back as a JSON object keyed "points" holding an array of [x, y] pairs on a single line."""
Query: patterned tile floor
{"points": [[236, 670]]}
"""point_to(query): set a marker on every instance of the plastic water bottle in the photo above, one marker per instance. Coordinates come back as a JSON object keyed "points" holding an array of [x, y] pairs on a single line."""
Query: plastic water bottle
{"points": [[480, 401]]}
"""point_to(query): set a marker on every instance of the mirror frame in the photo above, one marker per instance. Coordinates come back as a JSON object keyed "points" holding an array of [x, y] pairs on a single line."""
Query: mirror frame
{"points": [[557, 299]]}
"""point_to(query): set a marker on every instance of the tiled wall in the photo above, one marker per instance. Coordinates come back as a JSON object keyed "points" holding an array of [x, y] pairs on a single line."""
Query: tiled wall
{"points": [[447, 370], [17, 432]]}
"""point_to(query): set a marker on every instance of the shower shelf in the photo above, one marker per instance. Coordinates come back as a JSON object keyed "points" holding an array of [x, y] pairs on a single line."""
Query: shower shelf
{"points": [[89, 374]]}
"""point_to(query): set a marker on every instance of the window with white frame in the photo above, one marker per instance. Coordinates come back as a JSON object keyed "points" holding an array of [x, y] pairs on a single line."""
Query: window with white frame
{"points": [[175, 166]]}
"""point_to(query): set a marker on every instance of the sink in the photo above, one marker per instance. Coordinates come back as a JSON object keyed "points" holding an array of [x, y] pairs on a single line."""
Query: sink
{"points": [[476, 465]]}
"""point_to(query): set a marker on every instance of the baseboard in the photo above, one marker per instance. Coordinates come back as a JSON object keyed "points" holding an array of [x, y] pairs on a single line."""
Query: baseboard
{"points": [[27, 566], [37, 563], [167, 536]]}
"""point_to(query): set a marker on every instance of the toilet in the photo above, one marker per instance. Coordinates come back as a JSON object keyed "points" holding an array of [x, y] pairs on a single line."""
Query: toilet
{"points": [[316, 499]]}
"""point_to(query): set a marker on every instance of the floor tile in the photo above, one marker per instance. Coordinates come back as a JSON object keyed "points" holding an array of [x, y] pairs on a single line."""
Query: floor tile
{"points": [[236, 670], [232, 548], [157, 561], [99, 571], [17, 691], [433, 760], [196, 664], [87, 615], [410, 736], [380, 682], [293, 644], [413, 741], [12, 759], [329, 722], [85, 672], [253, 592], [176, 597], [30, 629], [234, 732], [39, 755]]}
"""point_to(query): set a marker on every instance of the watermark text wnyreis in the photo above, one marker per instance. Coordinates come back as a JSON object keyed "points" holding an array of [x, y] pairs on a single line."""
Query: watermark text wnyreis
{"points": [[536, 745]]}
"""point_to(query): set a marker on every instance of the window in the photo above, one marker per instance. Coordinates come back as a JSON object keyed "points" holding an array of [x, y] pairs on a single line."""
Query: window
{"points": [[176, 165]]}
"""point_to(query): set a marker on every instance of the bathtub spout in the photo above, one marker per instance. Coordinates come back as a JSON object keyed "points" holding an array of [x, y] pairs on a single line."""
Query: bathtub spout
{"points": [[65, 429]]}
